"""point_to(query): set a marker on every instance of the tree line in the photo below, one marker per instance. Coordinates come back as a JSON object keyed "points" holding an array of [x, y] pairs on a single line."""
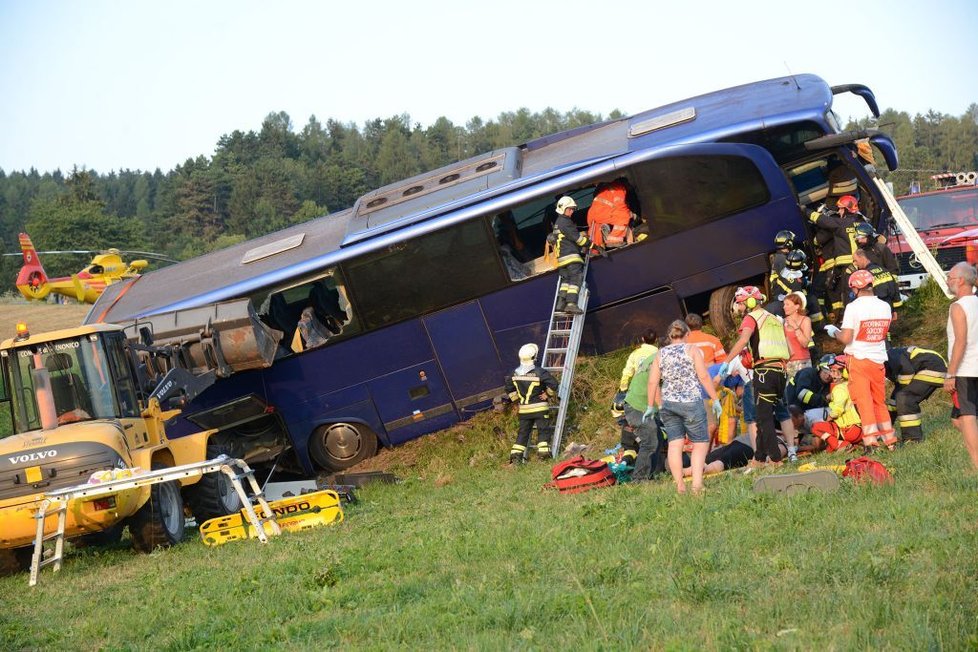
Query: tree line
{"points": [[260, 181]]}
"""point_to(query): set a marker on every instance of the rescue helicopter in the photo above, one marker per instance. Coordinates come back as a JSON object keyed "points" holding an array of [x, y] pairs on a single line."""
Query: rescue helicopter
{"points": [[106, 267]]}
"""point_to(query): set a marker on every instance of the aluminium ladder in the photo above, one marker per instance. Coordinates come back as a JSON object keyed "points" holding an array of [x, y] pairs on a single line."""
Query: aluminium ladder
{"points": [[560, 354], [910, 234], [59, 500]]}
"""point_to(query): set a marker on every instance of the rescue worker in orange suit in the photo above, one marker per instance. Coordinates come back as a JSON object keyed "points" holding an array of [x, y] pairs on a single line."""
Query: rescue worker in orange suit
{"points": [[840, 222], [612, 213], [916, 373], [570, 245], [875, 247], [842, 429], [865, 325], [530, 387]]}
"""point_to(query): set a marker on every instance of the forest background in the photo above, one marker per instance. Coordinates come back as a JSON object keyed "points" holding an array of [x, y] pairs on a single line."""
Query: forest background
{"points": [[262, 181]]}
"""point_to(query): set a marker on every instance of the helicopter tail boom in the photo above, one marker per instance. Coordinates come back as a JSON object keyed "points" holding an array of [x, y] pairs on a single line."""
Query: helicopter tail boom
{"points": [[31, 280]]}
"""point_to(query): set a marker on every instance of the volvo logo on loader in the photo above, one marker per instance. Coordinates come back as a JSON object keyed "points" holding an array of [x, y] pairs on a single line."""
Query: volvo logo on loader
{"points": [[33, 457]]}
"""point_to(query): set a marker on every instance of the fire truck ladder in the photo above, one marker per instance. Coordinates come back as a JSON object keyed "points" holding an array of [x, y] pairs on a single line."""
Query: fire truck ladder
{"points": [[560, 354], [920, 250], [56, 503]]}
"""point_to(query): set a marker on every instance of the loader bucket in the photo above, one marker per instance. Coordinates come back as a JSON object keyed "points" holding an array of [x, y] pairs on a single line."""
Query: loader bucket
{"points": [[224, 337]]}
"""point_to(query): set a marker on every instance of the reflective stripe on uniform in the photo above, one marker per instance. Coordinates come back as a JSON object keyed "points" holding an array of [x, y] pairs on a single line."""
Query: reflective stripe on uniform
{"points": [[906, 420], [928, 376]]}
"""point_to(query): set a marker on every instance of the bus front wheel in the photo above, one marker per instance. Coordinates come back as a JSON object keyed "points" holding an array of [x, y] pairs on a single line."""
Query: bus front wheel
{"points": [[338, 446], [721, 315]]}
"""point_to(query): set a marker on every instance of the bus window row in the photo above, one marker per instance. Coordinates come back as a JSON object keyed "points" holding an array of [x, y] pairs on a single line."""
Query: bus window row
{"points": [[417, 276]]}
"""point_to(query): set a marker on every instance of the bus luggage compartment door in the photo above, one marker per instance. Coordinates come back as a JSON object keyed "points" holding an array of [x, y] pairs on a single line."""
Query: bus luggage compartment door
{"points": [[413, 401], [467, 355]]}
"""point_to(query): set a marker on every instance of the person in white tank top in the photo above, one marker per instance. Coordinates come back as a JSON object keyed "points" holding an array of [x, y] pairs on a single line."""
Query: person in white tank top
{"points": [[962, 346]]}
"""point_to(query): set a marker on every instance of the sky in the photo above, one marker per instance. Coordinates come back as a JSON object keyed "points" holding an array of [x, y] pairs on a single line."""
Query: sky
{"points": [[111, 85]]}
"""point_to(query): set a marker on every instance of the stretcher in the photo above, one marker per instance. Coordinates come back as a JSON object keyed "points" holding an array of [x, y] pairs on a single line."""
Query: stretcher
{"points": [[293, 513]]}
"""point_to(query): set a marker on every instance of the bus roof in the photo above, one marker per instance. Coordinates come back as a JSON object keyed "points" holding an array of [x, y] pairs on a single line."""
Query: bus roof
{"points": [[281, 257]]}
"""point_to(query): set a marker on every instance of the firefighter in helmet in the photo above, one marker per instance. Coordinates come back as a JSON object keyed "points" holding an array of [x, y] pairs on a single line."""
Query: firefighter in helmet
{"points": [[570, 245], [530, 387]]}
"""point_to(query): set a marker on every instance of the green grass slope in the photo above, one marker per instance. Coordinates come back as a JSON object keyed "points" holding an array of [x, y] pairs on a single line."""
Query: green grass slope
{"points": [[469, 553]]}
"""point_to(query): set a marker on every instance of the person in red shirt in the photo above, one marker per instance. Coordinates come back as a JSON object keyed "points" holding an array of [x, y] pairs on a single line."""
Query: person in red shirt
{"points": [[709, 345]]}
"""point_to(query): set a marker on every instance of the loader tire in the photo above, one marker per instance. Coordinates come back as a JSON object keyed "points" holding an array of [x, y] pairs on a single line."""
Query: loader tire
{"points": [[213, 495], [107, 537], [14, 560], [160, 522]]}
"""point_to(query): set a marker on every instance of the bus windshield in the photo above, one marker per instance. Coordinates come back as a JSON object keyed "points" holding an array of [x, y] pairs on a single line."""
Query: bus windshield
{"points": [[80, 382], [949, 208]]}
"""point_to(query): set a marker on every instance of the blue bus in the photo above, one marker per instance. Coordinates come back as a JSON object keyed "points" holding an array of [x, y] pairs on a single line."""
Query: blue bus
{"points": [[402, 315]]}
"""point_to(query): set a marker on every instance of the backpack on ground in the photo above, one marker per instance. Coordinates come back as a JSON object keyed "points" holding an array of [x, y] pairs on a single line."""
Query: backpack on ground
{"points": [[864, 469], [577, 475], [771, 340]]}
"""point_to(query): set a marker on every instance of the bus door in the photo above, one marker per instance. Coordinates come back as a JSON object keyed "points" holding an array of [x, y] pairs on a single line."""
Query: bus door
{"points": [[467, 355], [413, 400]]}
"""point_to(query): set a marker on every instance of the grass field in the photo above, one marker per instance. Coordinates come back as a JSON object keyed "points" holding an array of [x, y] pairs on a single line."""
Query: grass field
{"points": [[39, 316], [468, 553]]}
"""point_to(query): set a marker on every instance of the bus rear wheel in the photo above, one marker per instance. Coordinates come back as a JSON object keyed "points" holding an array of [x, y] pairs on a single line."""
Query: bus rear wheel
{"points": [[721, 316], [338, 446]]}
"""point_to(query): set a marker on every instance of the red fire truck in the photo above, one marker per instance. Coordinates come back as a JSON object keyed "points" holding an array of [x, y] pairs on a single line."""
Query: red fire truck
{"points": [[947, 221]]}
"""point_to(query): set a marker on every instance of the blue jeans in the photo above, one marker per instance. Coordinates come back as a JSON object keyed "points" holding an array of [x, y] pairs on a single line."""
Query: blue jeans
{"points": [[680, 419]]}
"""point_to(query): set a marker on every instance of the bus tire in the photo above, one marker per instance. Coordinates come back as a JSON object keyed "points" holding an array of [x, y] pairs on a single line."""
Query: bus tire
{"points": [[338, 446], [160, 522], [213, 495], [721, 317]]}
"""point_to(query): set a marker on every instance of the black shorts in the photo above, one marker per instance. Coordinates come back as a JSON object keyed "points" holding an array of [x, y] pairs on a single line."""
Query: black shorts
{"points": [[733, 455], [965, 397]]}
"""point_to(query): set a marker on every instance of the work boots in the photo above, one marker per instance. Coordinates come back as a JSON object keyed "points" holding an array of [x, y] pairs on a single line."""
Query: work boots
{"points": [[573, 309], [543, 450], [560, 304]]}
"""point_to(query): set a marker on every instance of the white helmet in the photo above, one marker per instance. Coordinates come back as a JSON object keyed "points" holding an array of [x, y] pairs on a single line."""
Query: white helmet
{"points": [[564, 203], [528, 352]]}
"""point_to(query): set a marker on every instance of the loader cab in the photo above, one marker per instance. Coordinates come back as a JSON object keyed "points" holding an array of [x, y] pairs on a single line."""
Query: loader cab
{"points": [[85, 376]]}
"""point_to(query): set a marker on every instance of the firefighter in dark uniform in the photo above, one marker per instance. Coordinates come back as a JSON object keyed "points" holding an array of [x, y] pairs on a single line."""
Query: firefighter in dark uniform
{"points": [[570, 245], [841, 223], [530, 387], [840, 181], [809, 388], [875, 247], [884, 284], [790, 278], [916, 373]]}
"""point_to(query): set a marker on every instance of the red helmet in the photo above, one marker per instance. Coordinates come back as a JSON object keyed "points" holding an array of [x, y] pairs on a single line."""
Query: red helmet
{"points": [[848, 203], [861, 278], [744, 294]]}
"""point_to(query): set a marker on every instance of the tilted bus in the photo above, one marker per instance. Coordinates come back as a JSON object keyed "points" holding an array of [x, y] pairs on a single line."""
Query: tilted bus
{"points": [[422, 314]]}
